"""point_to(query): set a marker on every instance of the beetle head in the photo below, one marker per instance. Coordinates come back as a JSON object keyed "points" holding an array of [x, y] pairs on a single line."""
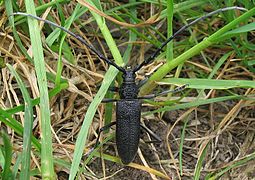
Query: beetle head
{"points": [[129, 76]]}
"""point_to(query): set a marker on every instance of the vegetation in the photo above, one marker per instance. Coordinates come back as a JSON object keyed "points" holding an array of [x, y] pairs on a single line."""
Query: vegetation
{"points": [[52, 87]]}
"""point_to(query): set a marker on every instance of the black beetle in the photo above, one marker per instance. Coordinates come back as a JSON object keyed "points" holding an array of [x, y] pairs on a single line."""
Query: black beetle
{"points": [[128, 107]]}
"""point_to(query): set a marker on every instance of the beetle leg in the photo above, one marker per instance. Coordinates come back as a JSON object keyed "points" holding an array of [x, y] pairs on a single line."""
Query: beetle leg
{"points": [[151, 96], [102, 129], [107, 100], [111, 88], [157, 139], [142, 82]]}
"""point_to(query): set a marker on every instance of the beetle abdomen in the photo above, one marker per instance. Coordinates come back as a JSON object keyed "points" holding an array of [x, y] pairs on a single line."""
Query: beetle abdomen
{"points": [[128, 114]]}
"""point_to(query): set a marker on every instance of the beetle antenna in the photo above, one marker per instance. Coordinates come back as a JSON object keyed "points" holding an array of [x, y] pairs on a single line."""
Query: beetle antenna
{"points": [[156, 53], [83, 41]]}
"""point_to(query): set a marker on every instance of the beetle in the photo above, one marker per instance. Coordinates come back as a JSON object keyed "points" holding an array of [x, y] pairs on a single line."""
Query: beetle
{"points": [[128, 107]]}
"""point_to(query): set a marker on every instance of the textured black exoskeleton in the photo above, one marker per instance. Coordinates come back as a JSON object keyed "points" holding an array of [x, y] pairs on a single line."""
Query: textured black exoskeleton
{"points": [[128, 113], [128, 107]]}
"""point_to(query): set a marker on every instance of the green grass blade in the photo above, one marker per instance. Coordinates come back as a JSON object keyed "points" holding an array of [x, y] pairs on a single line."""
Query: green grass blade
{"points": [[7, 119], [170, 13], [195, 103], [9, 10], [200, 162], [243, 29], [46, 137], [219, 64], [28, 123], [2, 63], [132, 35], [109, 77], [16, 166], [7, 153], [183, 6], [210, 83], [60, 65], [181, 145], [81, 140]]}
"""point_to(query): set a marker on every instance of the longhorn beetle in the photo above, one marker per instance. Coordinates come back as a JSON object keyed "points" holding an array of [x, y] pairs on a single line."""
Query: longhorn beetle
{"points": [[128, 107]]}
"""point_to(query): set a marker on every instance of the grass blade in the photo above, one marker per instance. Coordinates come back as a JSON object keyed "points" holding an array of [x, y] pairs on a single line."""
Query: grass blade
{"points": [[9, 10], [7, 119], [7, 153], [109, 77], [195, 103], [46, 137], [28, 123], [181, 145], [209, 83], [200, 161], [62, 40], [170, 13]]}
